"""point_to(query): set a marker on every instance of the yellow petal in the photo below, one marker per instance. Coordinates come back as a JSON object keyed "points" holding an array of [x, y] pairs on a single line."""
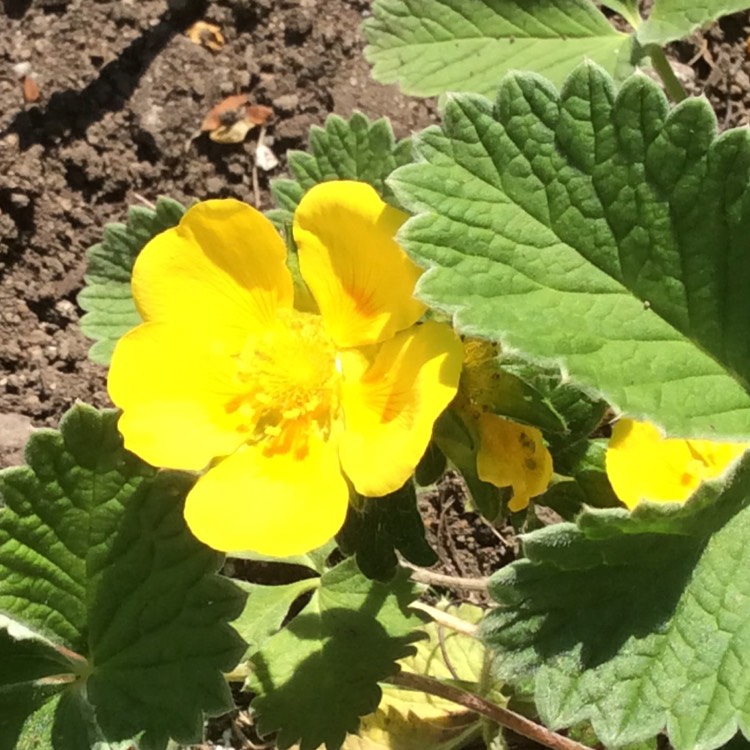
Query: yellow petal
{"points": [[715, 457], [390, 408], [360, 277], [173, 383], [223, 264], [277, 505], [644, 465], [513, 455]]}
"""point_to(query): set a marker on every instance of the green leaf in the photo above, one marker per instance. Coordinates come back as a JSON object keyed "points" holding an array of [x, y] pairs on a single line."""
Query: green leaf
{"points": [[435, 46], [61, 723], [599, 232], [588, 482], [565, 497], [35, 734], [457, 444], [446, 655], [635, 621], [265, 610], [412, 720], [628, 9], [26, 660], [96, 558], [106, 298], [315, 560], [590, 473], [380, 527], [354, 149], [494, 381], [677, 19], [30, 707], [579, 413], [431, 466], [526, 392], [20, 721], [318, 675], [73, 719]]}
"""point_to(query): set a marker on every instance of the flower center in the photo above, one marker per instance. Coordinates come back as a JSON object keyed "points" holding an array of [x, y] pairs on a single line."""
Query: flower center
{"points": [[289, 380]]}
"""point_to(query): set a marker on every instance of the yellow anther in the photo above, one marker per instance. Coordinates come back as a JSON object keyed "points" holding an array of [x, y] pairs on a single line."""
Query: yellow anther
{"points": [[293, 374]]}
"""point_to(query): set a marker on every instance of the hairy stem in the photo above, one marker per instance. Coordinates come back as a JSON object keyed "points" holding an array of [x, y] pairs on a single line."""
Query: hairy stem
{"points": [[422, 575], [446, 619], [666, 73], [509, 719]]}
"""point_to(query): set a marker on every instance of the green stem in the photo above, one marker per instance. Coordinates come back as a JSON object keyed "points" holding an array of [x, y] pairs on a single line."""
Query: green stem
{"points": [[483, 686], [666, 73], [509, 719]]}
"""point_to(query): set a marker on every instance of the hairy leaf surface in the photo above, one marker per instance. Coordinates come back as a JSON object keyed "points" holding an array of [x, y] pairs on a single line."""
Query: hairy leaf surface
{"points": [[95, 558], [317, 676], [677, 19], [598, 231], [635, 622], [434, 46]]}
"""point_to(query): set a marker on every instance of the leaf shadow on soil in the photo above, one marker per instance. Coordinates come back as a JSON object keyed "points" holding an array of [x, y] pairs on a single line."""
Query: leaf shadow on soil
{"points": [[16, 8], [68, 114]]}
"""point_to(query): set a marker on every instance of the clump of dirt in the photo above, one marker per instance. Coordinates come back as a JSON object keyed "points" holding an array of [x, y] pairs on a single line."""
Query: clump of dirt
{"points": [[467, 545]]}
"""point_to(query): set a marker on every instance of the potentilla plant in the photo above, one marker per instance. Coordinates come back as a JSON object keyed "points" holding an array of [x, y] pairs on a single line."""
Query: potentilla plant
{"points": [[544, 294]]}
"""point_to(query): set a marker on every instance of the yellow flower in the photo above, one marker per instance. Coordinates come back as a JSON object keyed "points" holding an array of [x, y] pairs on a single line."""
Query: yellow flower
{"points": [[642, 464], [281, 404], [510, 454]]}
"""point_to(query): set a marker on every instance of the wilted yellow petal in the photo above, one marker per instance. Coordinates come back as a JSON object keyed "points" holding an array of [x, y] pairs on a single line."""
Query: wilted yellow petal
{"points": [[279, 505], [390, 408], [360, 277], [206, 34], [513, 455], [235, 132], [480, 382], [644, 465], [224, 264], [173, 383]]}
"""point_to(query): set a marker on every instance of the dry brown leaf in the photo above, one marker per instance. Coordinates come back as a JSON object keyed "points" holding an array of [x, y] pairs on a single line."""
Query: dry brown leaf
{"points": [[226, 112], [258, 114], [232, 118], [30, 90], [207, 35]]}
